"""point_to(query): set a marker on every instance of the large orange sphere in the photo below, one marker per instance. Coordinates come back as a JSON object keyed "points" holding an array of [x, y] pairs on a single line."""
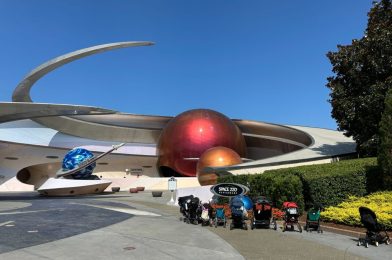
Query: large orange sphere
{"points": [[187, 136], [215, 157]]}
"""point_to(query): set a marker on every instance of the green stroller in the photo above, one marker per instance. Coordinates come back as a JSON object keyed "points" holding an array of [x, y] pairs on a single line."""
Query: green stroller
{"points": [[313, 220]]}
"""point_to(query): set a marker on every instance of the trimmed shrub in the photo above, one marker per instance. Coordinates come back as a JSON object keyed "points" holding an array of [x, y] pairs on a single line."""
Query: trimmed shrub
{"points": [[327, 184], [347, 211], [277, 187], [330, 184]]}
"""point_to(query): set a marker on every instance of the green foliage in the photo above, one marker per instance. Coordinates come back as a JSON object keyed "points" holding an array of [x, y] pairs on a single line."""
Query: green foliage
{"points": [[385, 148], [363, 74], [347, 211], [328, 184], [277, 187]]}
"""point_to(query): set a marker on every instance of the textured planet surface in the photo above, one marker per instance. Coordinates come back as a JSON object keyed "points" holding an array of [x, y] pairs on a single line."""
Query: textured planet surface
{"points": [[215, 157], [187, 136], [74, 158]]}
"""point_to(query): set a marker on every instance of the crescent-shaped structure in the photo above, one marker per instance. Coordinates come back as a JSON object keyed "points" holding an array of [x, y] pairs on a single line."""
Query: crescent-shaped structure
{"points": [[34, 138]]}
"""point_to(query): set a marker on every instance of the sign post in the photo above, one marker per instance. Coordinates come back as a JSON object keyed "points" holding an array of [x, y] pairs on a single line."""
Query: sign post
{"points": [[172, 186]]}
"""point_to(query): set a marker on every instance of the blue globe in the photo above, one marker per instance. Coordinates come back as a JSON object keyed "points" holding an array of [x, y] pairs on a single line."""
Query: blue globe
{"points": [[75, 157], [248, 203]]}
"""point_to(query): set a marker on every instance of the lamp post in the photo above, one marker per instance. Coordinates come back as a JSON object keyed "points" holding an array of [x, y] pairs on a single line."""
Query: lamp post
{"points": [[172, 186]]}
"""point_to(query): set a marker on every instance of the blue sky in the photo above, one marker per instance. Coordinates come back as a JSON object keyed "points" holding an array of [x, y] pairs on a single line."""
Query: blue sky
{"points": [[256, 60]]}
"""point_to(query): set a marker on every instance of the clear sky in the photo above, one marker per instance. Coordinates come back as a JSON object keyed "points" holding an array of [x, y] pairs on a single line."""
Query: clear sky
{"points": [[258, 60]]}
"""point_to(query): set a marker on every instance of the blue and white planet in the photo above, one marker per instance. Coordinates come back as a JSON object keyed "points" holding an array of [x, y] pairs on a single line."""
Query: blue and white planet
{"points": [[74, 158]]}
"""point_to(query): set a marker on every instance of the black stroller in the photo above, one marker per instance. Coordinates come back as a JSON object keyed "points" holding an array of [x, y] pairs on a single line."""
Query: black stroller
{"points": [[184, 202], [238, 212], [194, 211], [375, 232], [262, 214]]}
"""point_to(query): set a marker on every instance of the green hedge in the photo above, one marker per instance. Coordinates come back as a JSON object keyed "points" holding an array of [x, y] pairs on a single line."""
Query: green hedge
{"points": [[328, 184], [277, 187]]}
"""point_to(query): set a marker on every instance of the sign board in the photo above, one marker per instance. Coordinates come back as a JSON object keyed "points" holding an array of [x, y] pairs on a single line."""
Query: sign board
{"points": [[229, 189], [172, 183]]}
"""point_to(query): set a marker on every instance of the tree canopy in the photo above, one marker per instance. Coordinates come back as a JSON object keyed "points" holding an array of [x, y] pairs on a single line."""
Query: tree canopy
{"points": [[385, 148], [363, 74]]}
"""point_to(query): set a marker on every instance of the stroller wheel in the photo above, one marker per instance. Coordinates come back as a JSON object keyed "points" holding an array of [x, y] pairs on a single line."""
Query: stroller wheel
{"points": [[300, 228]]}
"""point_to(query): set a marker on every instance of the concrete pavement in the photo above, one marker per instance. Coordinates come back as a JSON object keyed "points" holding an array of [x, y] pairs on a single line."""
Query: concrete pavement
{"points": [[138, 226], [97, 227]]}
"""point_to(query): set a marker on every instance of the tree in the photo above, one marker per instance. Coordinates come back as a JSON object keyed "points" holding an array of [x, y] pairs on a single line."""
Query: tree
{"points": [[363, 74], [385, 148]]}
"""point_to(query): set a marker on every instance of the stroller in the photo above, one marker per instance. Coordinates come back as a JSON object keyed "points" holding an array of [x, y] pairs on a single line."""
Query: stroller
{"points": [[373, 229], [313, 219], [184, 202], [205, 214], [220, 217], [194, 211], [291, 215], [262, 214], [238, 213]]}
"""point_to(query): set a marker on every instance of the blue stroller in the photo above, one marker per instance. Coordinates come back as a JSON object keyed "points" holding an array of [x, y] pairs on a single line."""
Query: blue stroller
{"points": [[220, 217], [238, 213]]}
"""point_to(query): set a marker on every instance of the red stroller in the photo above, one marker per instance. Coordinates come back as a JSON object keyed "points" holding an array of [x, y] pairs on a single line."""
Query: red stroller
{"points": [[291, 215]]}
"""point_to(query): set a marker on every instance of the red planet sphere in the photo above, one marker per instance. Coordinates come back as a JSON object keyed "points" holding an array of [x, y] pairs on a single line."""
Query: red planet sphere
{"points": [[187, 136], [215, 157]]}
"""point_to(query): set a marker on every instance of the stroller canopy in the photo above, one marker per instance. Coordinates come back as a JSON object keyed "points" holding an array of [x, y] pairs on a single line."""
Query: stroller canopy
{"points": [[182, 200], [369, 219], [242, 199], [236, 202], [289, 204], [262, 200]]}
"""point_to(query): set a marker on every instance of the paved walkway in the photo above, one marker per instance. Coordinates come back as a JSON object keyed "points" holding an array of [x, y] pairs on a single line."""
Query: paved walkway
{"points": [[138, 226]]}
